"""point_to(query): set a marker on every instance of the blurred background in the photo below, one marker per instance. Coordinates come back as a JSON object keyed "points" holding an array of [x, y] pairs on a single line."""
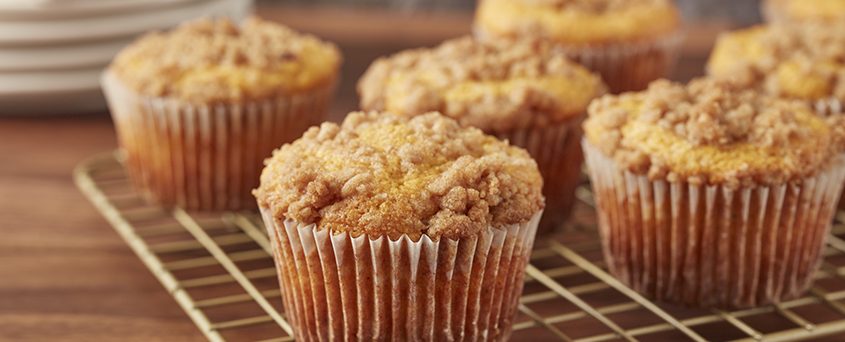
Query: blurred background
{"points": [[53, 51], [367, 29], [740, 11]]}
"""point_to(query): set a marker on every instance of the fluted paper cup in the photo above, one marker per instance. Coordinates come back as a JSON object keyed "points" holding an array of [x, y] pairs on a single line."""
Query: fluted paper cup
{"points": [[336, 287], [629, 66], [557, 150], [773, 12], [713, 246], [624, 66], [205, 156], [829, 106]]}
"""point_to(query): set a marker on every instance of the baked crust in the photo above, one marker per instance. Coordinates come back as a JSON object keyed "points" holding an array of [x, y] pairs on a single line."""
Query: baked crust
{"points": [[579, 22], [214, 60], [713, 132], [805, 62], [382, 174], [492, 86], [804, 11]]}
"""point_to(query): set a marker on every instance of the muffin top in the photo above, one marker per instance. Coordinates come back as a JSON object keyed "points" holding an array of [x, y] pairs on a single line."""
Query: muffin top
{"points": [[713, 132], [491, 86], [804, 62], [797, 11], [579, 22], [382, 174], [214, 60]]}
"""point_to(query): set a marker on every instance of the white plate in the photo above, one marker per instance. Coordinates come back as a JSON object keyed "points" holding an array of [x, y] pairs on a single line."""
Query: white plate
{"points": [[65, 31], [57, 77], [35, 82], [53, 57]]}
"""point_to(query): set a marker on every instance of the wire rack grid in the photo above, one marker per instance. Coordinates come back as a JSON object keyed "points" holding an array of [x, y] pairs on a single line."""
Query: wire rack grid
{"points": [[219, 269]]}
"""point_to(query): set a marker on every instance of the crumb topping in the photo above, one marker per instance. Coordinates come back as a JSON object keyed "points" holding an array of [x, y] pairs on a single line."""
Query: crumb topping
{"points": [[801, 11], [580, 22], [490, 86], [713, 132], [210, 60], [805, 62], [383, 174]]}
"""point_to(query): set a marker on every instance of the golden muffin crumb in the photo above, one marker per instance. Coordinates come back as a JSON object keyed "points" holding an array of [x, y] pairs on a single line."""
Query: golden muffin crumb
{"points": [[804, 62], [578, 22], [215, 60], [485, 85], [713, 132], [382, 174]]}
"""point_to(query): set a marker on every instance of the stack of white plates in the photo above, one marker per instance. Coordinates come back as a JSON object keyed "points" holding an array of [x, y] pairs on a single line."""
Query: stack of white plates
{"points": [[53, 51]]}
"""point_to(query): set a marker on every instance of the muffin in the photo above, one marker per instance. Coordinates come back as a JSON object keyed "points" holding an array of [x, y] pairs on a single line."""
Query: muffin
{"points": [[523, 93], [629, 42], [805, 63], [198, 108], [713, 195], [804, 11], [388, 228]]}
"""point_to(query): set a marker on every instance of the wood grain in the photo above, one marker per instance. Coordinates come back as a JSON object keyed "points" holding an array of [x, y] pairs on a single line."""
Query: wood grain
{"points": [[65, 274]]}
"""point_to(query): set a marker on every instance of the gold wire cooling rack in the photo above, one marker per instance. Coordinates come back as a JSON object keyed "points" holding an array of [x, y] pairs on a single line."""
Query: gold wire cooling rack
{"points": [[219, 270]]}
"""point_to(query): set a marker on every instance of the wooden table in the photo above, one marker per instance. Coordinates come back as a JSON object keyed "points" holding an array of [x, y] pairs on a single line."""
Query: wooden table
{"points": [[66, 275]]}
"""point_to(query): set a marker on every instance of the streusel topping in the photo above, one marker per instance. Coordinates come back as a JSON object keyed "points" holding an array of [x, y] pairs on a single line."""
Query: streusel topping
{"points": [[215, 60], [803, 11], [485, 85], [579, 22], [383, 174], [805, 62], [713, 132]]}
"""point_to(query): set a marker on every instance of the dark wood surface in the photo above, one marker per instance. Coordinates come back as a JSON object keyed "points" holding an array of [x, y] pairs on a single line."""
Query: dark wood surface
{"points": [[66, 275]]}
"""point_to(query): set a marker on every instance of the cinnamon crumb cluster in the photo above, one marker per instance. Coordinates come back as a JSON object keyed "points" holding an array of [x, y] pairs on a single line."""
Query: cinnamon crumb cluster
{"points": [[815, 52], [418, 81], [719, 114], [382, 174], [714, 118], [218, 60]]}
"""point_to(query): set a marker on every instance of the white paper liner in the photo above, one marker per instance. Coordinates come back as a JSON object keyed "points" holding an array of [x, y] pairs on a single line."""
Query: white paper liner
{"points": [[340, 288], [829, 106], [205, 157], [628, 66], [557, 150], [773, 13], [711, 246], [826, 108]]}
